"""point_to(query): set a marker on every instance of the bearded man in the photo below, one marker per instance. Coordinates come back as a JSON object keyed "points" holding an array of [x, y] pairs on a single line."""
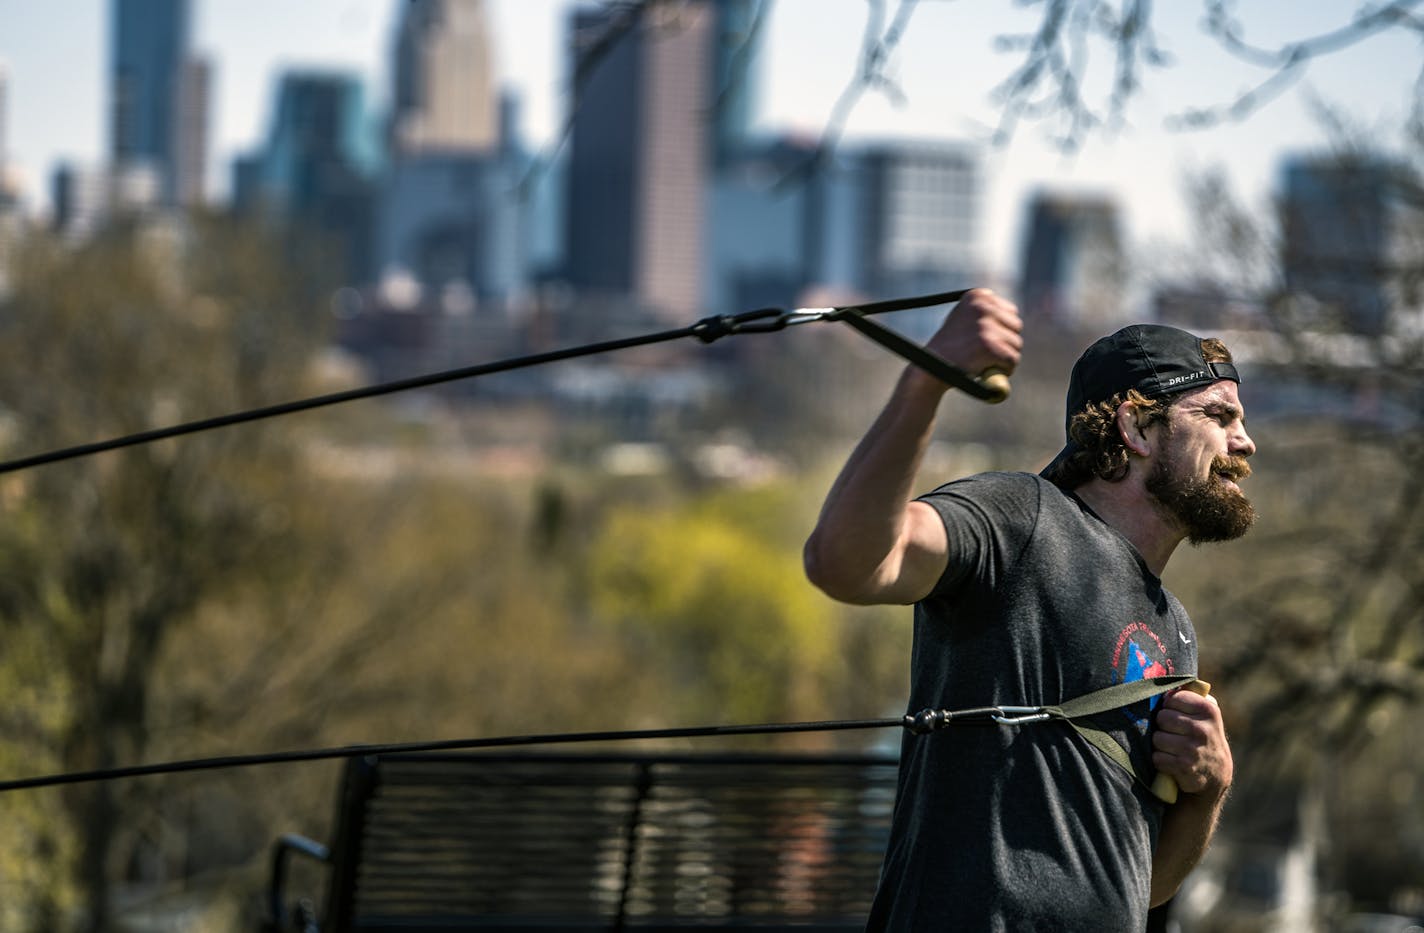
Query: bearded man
{"points": [[1031, 590]]}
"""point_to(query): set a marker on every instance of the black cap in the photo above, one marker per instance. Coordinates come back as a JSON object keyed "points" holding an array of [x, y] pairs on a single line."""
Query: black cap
{"points": [[1154, 359]]}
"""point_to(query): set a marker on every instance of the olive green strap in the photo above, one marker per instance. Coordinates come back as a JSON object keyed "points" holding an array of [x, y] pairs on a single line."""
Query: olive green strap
{"points": [[1110, 698]]}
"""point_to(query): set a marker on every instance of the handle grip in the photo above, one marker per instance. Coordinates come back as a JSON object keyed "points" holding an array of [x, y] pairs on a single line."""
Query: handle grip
{"points": [[1164, 786], [996, 385]]}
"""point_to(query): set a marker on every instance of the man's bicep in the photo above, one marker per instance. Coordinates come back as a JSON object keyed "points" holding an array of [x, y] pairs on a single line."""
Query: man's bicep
{"points": [[925, 552]]}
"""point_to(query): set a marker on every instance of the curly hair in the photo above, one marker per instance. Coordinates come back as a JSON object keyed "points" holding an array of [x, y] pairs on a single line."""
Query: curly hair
{"points": [[1100, 451]]}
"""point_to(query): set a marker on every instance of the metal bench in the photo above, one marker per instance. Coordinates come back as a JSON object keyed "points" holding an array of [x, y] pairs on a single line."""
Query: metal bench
{"points": [[597, 842]]}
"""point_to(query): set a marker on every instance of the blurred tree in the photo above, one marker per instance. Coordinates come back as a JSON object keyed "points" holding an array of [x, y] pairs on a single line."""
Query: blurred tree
{"points": [[106, 557], [710, 594], [1317, 632]]}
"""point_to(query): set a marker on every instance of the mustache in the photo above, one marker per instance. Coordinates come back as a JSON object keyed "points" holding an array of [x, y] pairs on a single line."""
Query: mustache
{"points": [[1233, 468]]}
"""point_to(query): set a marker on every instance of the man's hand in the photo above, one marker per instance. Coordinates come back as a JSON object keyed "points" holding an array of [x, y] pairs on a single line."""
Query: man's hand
{"points": [[983, 332], [1189, 744]]}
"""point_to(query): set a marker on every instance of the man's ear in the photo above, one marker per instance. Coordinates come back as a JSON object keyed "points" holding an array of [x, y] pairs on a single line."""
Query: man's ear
{"points": [[1132, 431]]}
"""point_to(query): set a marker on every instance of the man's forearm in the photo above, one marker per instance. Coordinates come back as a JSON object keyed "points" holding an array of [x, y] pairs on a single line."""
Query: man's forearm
{"points": [[1187, 829]]}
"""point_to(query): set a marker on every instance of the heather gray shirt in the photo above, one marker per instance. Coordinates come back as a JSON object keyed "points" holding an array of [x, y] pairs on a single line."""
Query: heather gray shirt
{"points": [[1029, 828]]}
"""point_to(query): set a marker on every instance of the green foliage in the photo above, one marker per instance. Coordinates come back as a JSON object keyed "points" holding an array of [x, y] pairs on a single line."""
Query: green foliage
{"points": [[709, 593], [104, 558], [718, 607]]}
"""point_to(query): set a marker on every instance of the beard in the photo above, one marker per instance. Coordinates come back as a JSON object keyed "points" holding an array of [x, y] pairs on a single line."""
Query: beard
{"points": [[1205, 508]]}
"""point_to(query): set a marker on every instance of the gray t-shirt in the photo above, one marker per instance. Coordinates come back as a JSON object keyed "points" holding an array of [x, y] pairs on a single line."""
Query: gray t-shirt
{"points": [[1001, 828]]}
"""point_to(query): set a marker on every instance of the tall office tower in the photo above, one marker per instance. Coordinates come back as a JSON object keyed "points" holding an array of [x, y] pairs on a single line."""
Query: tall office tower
{"points": [[9, 193], [918, 230], [148, 99], [761, 215], [639, 152], [1073, 271], [735, 76], [80, 199], [1353, 235], [450, 220], [190, 170], [316, 170], [4, 130], [445, 98]]}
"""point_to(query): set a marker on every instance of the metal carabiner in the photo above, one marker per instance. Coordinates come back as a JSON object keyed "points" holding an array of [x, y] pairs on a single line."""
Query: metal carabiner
{"points": [[1019, 715]]}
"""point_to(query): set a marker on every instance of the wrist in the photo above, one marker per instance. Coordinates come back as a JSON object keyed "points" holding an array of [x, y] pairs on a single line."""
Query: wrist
{"points": [[916, 385]]}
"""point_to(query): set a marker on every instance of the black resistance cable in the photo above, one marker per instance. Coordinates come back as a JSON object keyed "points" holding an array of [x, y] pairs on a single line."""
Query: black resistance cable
{"points": [[991, 388]]}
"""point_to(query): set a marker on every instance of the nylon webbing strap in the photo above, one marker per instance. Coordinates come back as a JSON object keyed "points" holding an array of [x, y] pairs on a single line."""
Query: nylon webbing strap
{"points": [[1109, 698], [1117, 696], [1074, 712]]}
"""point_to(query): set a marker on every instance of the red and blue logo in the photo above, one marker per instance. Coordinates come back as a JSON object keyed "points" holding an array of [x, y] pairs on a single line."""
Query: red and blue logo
{"points": [[1140, 654]]}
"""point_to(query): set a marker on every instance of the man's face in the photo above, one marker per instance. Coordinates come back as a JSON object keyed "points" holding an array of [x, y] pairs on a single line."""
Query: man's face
{"points": [[1203, 450]]}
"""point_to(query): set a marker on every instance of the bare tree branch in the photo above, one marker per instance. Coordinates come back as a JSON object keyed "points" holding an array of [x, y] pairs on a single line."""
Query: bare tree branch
{"points": [[877, 47], [1288, 62], [1048, 83], [741, 60]]}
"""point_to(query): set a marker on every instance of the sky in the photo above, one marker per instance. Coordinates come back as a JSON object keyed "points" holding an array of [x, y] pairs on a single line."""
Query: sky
{"points": [[55, 53]]}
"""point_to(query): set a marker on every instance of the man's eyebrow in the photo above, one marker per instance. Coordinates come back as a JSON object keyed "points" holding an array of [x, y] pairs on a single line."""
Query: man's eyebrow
{"points": [[1224, 408]]}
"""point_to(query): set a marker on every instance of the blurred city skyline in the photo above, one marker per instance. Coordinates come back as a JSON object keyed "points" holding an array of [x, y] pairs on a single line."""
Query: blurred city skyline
{"points": [[56, 57]]}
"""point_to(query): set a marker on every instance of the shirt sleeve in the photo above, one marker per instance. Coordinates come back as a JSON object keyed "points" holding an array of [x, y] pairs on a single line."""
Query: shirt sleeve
{"points": [[988, 520]]}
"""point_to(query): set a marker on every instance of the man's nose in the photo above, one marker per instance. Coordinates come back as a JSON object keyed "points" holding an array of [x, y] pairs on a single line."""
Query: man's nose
{"points": [[1240, 443]]}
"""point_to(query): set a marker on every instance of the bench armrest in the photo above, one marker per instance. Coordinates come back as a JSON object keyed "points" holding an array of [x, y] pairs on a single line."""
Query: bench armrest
{"points": [[287, 845]]}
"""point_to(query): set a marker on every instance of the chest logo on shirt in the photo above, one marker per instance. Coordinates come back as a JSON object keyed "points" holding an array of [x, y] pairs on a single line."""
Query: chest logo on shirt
{"points": [[1139, 654]]}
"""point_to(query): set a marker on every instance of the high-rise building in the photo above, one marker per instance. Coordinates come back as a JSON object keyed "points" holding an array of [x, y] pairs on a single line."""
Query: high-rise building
{"points": [[451, 224], [10, 219], [445, 97], [639, 153], [157, 96], [873, 221], [1073, 271], [735, 73], [450, 221], [918, 229], [191, 154], [1352, 237], [80, 199], [761, 228], [4, 133], [318, 166]]}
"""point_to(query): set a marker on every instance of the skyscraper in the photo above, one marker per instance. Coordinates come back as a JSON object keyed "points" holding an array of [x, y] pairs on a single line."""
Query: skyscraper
{"points": [[1352, 237], [735, 72], [445, 99], [640, 149], [918, 226], [148, 97], [4, 124], [191, 154], [316, 171], [449, 211], [7, 195], [1073, 271]]}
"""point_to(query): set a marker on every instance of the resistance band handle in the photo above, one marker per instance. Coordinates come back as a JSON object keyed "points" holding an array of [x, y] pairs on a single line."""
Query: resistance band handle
{"points": [[991, 386], [1164, 786], [996, 383]]}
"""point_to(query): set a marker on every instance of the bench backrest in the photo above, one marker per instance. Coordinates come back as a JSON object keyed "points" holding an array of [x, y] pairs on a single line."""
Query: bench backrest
{"points": [[609, 842]]}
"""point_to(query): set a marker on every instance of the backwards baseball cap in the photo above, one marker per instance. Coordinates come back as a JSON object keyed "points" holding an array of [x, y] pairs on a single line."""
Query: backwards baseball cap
{"points": [[1154, 359]]}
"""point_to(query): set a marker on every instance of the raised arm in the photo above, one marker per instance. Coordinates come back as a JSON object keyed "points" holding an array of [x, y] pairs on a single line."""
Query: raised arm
{"points": [[873, 543]]}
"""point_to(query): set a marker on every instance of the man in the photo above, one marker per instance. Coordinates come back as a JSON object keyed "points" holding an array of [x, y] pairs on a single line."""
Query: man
{"points": [[1031, 590]]}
